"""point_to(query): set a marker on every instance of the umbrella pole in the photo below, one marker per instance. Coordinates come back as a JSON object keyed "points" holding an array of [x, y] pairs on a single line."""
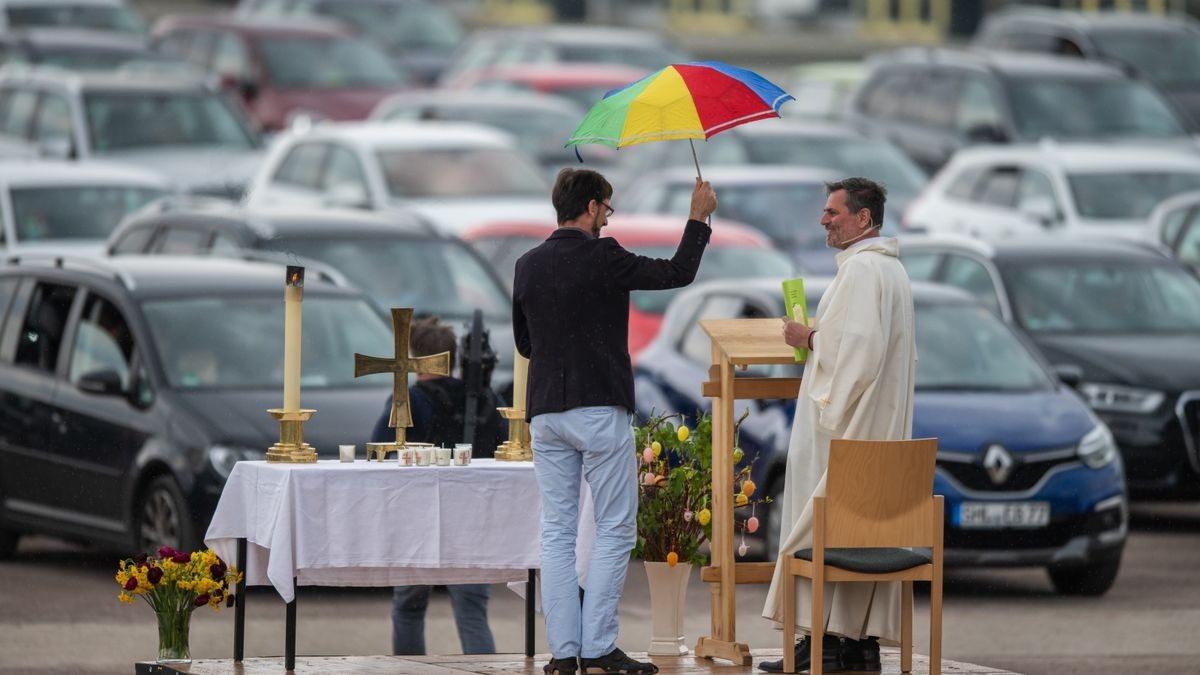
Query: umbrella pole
{"points": [[694, 159]]}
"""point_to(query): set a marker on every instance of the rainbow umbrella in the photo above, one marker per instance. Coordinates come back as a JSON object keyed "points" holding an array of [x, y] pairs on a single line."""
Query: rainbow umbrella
{"points": [[685, 100]]}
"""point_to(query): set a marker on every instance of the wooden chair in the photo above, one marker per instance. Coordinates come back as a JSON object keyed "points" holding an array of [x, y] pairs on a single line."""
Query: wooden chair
{"points": [[878, 503]]}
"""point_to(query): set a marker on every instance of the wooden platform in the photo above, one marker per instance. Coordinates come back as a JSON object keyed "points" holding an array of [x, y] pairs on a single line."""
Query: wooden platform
{"points": [[506, 664]]}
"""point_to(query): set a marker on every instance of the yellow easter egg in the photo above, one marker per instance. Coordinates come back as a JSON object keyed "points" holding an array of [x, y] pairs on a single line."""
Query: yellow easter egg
{"points": [[656, 448], [703, 516], [672, 559], [748, 487], [741, 499], [682, 434]]}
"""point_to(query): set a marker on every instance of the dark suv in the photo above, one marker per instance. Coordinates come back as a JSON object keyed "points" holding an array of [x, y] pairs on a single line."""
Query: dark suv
{"points": [[931, 102], [130, 386], [1166, 50]]}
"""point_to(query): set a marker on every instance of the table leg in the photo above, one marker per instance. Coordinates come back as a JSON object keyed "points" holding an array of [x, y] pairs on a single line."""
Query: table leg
{"points": [[239, 605], [289, 634], [530, 589]]}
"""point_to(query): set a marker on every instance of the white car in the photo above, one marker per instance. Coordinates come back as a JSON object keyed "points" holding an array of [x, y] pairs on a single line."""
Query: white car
{"points": [[1175, 224], [70, 207], [144, 117], [994, 192], [455, 175]]}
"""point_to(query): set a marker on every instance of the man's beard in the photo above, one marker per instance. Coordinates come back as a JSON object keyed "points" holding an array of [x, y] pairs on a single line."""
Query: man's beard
{"points": [[596, 227]]}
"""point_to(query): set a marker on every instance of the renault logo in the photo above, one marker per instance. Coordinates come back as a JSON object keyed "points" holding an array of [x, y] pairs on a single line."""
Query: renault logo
{"points": [[998, 462]]}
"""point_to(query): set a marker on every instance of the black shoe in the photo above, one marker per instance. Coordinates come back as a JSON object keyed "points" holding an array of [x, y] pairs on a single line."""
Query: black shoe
{"points": [[861, 655], [831, 656], [616, 663], [567, 666]]}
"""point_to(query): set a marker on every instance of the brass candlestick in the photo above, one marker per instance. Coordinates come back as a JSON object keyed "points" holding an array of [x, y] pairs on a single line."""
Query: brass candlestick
{"points": [[518, 447], [291, 448]]}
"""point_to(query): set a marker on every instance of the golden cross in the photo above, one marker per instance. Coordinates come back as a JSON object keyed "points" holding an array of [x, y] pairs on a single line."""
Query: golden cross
{"points": [[400, 366]]}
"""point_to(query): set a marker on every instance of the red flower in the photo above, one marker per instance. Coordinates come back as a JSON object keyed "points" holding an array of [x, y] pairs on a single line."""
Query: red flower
{"points": [[201, 600], [182, 557], [131, 585], [140, 558], [154, 575], [217, 571], [166, 552]]}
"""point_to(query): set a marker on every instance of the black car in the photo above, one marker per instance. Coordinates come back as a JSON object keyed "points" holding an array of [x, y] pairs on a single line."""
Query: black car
{"points": [[1164, 49], [931, 102], [130, 386], [1119, 320]]}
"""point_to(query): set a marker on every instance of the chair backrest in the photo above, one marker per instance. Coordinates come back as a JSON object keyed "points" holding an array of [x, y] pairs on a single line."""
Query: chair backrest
{"points": [[880, 494]]}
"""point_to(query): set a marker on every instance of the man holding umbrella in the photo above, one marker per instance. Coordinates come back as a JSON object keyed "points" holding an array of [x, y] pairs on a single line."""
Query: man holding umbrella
{"points": [[571, 319]]}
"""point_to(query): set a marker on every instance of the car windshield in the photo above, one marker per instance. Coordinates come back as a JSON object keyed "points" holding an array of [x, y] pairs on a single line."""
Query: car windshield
{"points": [[1126, 194], [459, 172], [649, 56], [298, 61], [75, 211], [433, 276], [788, 213], [850, 156], [719, 262], [1170, 58], [133, 120], [83, 15], [398, 26], [82, 57], [1102, 296], [1090, 108], [232, 342], [964, 346]]}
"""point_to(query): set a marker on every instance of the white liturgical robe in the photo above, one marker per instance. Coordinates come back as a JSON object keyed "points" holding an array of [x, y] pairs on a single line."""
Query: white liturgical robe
{"points": [[858, 384]]}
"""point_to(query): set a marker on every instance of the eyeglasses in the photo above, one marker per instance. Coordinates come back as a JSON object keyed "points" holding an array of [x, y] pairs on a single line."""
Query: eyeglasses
{"points": [[608, 209]]}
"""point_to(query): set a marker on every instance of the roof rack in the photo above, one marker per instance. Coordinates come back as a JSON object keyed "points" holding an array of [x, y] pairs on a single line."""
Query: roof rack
{"points": [[71, 262]]}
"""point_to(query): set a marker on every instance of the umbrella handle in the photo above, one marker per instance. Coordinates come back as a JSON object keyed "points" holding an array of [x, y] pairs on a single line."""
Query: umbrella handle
{"points": [[697, 161]]}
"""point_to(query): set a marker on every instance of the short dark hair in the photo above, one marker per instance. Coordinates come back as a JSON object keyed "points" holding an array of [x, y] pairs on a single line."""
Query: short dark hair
{"points": [[429, 336], [574, 188], [862, 193]]}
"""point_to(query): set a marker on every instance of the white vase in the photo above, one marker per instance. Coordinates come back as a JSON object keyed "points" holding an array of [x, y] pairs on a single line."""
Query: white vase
{"points": [[668, 595]]}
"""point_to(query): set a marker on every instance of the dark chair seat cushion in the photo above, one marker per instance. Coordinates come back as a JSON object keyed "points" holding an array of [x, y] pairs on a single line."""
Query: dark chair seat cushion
{"points": [[871, 560]]}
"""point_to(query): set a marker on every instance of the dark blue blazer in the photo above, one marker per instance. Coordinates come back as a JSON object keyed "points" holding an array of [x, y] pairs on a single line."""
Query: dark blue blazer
{"points": [[571, 314]]}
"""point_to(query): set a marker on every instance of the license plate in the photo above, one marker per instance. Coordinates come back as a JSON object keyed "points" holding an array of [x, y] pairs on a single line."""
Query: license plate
{"points": [[982, 515]]}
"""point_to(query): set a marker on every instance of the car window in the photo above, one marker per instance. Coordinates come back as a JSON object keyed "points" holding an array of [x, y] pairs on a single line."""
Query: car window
{"points": [[1189, 243], [931, 103], [103, 343], [344, 174], [965, 347], [53, 120], [18, 115], [133, 240], [977, 106], [1170, 58], [886, 94], [183, 241], [998, 187], [963, 185], [45, 323], [1090, 108], [75, 211], [459, 172], [223, 244], [128, 120], [319, 62], [397, 26], [229, 58], [1127, 194], [1036, 196], [971, 276], [91, 15], [302, 166], [920, 266]]}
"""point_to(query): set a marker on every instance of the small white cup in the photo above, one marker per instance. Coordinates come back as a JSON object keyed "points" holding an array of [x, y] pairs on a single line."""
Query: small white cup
{"points": [[346, 453], [423, 456], [462, 454], [405, 456], [443, 456]]}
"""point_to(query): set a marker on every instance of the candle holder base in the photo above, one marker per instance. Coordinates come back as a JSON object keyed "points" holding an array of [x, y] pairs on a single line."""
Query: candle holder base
{"points": [[291, 448], [518, 447], [380, 451]]}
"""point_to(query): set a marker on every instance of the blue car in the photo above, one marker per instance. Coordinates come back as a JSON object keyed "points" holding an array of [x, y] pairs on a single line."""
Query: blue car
{"points": [[1031, 477]]}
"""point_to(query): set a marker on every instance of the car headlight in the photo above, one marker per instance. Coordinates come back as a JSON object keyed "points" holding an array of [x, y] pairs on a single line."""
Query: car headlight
{"points": [[1098, 449], [1116, 398], [222, 458]]}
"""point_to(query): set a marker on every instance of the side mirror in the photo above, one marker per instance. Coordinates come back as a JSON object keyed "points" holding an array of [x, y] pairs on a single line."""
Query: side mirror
{"points": [[245, 87], [1069, 374], [986, 133], [105, 382], [1043, 211]]}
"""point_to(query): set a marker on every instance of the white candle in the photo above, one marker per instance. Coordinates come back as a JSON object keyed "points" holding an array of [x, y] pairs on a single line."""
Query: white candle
{"points": [[346, 453], [293, 294], [520, 379]]}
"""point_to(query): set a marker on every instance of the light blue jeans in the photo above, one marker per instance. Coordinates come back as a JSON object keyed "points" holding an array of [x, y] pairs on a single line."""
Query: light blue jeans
{"points": [[595, 443], [469, 602]]}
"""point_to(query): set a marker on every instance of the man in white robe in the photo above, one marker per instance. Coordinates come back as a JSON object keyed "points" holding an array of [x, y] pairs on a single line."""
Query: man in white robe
{"points": [[857, 384]]}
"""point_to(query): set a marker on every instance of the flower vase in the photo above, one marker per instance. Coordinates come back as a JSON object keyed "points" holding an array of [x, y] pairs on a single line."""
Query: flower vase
{"points": [[668, 595], [173, 630]]}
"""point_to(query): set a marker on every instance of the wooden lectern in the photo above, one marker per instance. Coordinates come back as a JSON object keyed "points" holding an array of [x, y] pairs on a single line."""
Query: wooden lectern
{"points": [[735, 342]]}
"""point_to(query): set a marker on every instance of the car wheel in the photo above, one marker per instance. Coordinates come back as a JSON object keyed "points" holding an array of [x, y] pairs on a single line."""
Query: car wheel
{"points": [[161, 518], [8, 543], [1091, 579]]}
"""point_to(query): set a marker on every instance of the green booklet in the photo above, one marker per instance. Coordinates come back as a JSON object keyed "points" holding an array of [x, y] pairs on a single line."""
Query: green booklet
{"points": [[797, 309]]}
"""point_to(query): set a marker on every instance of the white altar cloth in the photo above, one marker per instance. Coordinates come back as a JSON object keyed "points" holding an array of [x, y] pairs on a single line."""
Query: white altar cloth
{"points": [[380, 524]]}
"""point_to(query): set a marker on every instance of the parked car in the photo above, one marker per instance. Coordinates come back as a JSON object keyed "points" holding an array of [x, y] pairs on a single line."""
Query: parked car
{"points": [[281, 70], [1164, 49], [58, 205], [111, 15], [584, 84], [157, 121], [635, 48], [1067, 189], [397, 258], [1175, 224], [132, 385], [1030, 476], [455, 175], [783, 202], [419, 35], [1121, 320], [76, 49], [932, 102], [823, 89], [733, 250]]}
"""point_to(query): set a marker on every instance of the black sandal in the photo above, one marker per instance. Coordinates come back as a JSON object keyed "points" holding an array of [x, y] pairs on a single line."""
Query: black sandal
{"points": [[567, 666], [616, 663]]}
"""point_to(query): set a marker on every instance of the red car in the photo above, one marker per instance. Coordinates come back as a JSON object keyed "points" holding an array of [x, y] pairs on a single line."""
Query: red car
{"points": [[583, 83], [282, 69], [735, 250]]}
